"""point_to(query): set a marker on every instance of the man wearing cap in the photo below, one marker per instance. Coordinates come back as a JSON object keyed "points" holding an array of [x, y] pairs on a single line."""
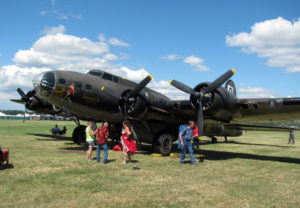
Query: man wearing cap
{"points": [[186, 136]]}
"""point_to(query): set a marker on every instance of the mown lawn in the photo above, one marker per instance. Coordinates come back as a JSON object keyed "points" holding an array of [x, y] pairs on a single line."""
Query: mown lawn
{"points": [[256, 170]]}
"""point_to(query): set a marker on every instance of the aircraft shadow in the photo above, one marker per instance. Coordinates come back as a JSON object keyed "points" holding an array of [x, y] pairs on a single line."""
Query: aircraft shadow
{"points": [[50, 136], [220, 155], [268, 145]]}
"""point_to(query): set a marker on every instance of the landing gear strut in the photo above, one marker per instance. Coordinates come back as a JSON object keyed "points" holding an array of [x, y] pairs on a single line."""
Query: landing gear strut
{"points": [[163, 144]]}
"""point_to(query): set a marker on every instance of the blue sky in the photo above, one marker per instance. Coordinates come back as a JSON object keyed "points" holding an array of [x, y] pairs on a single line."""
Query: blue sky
{"points": [[190, 41]]}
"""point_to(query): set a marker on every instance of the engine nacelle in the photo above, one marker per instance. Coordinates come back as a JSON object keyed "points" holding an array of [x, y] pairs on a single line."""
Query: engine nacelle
{"points": [[220, 104], [135, 105]]}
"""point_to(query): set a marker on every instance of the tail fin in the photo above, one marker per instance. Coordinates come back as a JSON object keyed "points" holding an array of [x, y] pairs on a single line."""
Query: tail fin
{"points": [[230, 87]]}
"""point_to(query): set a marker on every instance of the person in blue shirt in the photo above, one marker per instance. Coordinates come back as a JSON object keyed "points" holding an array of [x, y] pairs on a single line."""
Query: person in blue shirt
{"points": [[185, 137]]}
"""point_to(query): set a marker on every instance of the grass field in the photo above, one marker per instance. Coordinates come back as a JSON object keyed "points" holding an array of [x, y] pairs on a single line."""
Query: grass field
{"points": [[256, 170]]}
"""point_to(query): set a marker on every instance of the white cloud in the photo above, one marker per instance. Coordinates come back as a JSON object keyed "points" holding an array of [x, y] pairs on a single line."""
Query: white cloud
{"points": [[54, 30], [101, 37], [117, 42], [200, 67], [110, 57], [42, 13], [255, 92], [171, 57], [60, 15], [193, 60], [59, 49], [6, 96], [124, 56], [278, 40], [168, 90], [196, 62], [12, 76]]}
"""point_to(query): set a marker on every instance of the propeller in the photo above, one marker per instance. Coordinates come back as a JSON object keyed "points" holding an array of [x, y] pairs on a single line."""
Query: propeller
{"points": [[25, 98], [124, 99], [201, 95]]}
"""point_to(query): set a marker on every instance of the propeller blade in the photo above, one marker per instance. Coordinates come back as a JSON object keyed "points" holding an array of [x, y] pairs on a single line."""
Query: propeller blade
{"points": [[182, 87], [200, 120], [30, 94], [218, 82], [17, 101], [21, 92], [139, 87]]}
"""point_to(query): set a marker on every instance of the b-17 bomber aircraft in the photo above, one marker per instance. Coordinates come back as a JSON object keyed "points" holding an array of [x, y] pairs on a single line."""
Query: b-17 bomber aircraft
{"points": [[100, 96]]}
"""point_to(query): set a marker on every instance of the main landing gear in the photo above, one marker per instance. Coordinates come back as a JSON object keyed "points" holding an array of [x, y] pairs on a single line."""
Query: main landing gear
{"points": [[78, 135], [214, 140]]}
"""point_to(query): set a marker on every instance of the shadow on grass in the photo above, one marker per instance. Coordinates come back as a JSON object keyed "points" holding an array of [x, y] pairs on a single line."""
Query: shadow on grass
{"points": [[8, 166], [268, 145], [220, 155], [51, 138]]}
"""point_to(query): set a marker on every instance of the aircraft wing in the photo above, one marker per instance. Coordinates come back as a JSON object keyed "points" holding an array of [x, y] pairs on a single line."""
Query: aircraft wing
{"points": [[261, 127], [267, 109]]}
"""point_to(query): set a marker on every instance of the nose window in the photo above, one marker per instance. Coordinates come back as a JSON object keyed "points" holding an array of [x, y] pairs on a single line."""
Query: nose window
{"points": [[48, 83]]}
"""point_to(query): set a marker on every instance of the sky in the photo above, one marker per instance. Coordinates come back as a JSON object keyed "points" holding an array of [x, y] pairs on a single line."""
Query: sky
{"points": [[189, 41]]}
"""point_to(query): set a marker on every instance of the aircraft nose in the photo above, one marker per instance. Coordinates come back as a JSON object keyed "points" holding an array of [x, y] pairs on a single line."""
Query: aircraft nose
{"points": [[44, 84]]}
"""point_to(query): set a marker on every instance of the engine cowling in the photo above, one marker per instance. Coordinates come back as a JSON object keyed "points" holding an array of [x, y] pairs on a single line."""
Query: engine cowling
{"points": [[209, 98]]}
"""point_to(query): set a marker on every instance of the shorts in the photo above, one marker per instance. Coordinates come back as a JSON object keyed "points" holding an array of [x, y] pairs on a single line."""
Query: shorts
{"points": [[90, 143]]}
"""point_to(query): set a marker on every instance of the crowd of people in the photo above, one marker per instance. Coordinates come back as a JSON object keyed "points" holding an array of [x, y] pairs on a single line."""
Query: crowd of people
{"points": [[187, 140], [102, 133]]}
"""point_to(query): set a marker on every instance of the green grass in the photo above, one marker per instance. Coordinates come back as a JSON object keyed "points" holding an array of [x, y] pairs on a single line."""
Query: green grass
{"points": [[256, 170]]}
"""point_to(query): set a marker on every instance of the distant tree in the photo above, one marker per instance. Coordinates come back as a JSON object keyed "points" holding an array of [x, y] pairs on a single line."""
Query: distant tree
{"points": [[12, 112]]}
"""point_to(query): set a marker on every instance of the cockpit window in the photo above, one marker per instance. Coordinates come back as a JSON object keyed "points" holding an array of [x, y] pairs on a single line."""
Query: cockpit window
{"points": [[88, 87], [62, 81], [116, 79], [47, 83], [96, 73], [107, 76]]}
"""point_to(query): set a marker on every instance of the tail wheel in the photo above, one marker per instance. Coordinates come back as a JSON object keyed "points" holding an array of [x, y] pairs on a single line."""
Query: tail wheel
{"points": [[163, 144]]}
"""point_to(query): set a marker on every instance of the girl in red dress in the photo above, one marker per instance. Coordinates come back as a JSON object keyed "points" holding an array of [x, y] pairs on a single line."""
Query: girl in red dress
{"points": [[128, 144]]}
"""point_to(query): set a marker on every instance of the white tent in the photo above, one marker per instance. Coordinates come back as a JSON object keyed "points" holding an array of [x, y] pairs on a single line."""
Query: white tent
{"points": [[2, 114]]}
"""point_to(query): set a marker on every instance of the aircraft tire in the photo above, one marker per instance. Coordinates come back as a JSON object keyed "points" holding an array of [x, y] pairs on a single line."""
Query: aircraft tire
{"points": [[214, 140], [75, 135], [82, 137], [164, 144], [79, 134]]}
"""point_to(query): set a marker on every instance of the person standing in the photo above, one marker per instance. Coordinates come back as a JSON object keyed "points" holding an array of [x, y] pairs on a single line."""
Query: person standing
{"points": [[195, 137], [128, 144], [102, 135], [185, 139], [292, 136], [89, 133]]}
